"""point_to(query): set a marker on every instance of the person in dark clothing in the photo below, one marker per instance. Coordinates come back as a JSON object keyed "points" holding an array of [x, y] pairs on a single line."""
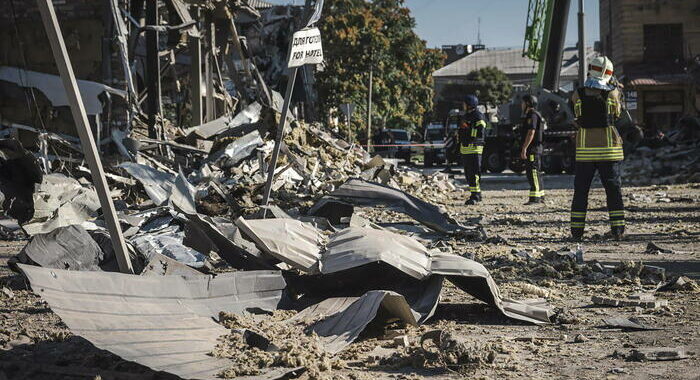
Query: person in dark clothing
{"points": [[531, 148], [471, 140], [598, 147]]}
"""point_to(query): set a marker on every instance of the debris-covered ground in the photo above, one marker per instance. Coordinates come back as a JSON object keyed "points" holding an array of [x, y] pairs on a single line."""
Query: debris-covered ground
{"points": [[524, 254], [357, 269]]}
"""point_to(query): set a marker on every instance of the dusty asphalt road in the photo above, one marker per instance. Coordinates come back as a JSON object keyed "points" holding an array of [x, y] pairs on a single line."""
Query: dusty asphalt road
{"points": [[37, 345]]}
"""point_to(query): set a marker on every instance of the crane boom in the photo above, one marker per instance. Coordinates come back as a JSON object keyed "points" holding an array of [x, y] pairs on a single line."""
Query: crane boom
{"points": [[545, 32]]}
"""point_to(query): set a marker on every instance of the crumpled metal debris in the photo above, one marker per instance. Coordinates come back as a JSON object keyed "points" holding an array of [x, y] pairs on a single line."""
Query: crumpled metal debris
{"points": [[61, 201], [363, 193], [70, 247]]}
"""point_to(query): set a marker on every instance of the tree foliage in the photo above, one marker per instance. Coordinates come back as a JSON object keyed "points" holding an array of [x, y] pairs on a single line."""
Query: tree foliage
{"points": [[491, 85], [359, 35]]}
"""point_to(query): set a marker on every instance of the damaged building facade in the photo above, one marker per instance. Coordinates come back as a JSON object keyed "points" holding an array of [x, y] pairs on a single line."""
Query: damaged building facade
{"points": [[656, 49], [154, 68]]}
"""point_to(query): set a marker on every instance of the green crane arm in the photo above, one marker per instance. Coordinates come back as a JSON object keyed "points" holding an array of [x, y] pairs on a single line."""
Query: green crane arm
{"points": [[539, 21]]}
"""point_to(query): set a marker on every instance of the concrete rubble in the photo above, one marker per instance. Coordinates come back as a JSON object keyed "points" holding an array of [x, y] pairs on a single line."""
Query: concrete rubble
{"points": [[188, 201], [354, 254]]}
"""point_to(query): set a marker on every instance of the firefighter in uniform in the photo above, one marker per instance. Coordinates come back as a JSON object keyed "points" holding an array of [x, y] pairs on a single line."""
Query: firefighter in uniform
{"points": [[531, 148], [471, 140], [598, 147]]}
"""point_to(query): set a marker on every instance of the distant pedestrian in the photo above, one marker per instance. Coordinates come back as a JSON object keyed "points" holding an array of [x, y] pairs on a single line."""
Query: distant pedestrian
{"points": [[597, 105], [531, 148], [471, 140]]}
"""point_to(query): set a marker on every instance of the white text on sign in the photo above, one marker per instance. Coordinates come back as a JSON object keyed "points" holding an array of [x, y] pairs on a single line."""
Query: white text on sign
{"points": [[306, 48]]}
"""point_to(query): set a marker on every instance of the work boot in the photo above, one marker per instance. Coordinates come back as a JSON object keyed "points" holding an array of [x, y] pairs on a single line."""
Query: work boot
{"points": [[474, 199], [535, 200], [617, 233], [576, 234]]}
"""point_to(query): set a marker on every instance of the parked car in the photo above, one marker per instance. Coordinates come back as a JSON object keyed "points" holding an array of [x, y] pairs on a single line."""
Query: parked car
{"points": [[434, 133], [402, 137]]}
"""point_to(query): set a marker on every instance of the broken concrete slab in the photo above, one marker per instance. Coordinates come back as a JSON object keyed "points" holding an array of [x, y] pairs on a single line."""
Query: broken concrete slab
{"points": [[680, 283], [658, 354], [647, 302], [162, 322]]}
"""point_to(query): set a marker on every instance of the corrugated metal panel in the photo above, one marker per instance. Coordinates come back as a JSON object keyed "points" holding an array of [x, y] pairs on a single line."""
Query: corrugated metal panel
{"points": [[364, 193], [260, 4], [355, 246], [474, 279], [288, 240], [164, 323], [348, 316]]}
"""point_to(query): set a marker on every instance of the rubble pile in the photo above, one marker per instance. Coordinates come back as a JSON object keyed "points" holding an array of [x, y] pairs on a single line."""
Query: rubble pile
{"points": [[664, 165], [542, 265]]}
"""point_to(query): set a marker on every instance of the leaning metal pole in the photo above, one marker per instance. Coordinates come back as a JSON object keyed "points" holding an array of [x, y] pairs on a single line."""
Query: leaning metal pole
{"points": [[581, 45], [58, 46], [280, 133]]}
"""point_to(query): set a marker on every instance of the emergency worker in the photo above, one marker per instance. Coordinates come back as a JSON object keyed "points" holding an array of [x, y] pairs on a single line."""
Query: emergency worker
{"points": [[471, 140], [531, 148], [597, 105]]}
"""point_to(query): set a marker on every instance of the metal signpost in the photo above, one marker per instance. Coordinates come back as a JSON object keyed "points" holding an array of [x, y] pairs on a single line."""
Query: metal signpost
{"points": [[347, 109], [305, 49], [58, 46]]}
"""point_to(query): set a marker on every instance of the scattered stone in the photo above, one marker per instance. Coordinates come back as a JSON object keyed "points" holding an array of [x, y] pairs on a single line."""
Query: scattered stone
{"points": [[8, 292], [648, 301], [658, 354], [680, 283], [580, 338], [401, 341], [654, 249], [535, 290]]}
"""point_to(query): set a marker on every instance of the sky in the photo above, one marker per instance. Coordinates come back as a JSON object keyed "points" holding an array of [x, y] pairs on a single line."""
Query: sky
{"points": [[451, 22]]}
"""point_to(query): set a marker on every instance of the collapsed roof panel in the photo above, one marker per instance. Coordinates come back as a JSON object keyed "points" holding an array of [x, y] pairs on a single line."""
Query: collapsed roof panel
{"points": [[52, 87], [290, 241], [162, 322], [363, 193], [355, 246], [345, 318]]}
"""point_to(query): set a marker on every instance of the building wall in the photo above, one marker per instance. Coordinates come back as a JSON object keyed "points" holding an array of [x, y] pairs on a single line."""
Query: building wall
{"points": [[23, 41], [622, 26], [622, 37]]}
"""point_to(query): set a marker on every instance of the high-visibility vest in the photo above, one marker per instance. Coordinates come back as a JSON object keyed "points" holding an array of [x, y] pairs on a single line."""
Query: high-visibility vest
{"points": [[471, 133]]}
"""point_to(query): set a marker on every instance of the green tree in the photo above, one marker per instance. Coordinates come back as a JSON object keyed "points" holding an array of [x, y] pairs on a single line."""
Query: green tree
{"points": [[491, 85], [359, 35]]}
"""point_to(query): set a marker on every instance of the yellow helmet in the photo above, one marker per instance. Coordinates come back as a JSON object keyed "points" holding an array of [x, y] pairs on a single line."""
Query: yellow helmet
{"points": [[600, 71]]}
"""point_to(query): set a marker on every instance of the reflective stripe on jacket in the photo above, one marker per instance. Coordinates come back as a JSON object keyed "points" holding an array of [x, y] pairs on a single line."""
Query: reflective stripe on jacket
{"points": [[471, 134], [603, 143]]}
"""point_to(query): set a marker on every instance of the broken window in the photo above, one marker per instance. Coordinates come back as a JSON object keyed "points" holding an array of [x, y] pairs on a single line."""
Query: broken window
{"points": [[663, 42]]}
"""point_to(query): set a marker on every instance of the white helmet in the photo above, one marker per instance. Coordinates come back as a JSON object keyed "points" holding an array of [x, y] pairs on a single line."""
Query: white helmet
{"points": [[600, 71]]}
